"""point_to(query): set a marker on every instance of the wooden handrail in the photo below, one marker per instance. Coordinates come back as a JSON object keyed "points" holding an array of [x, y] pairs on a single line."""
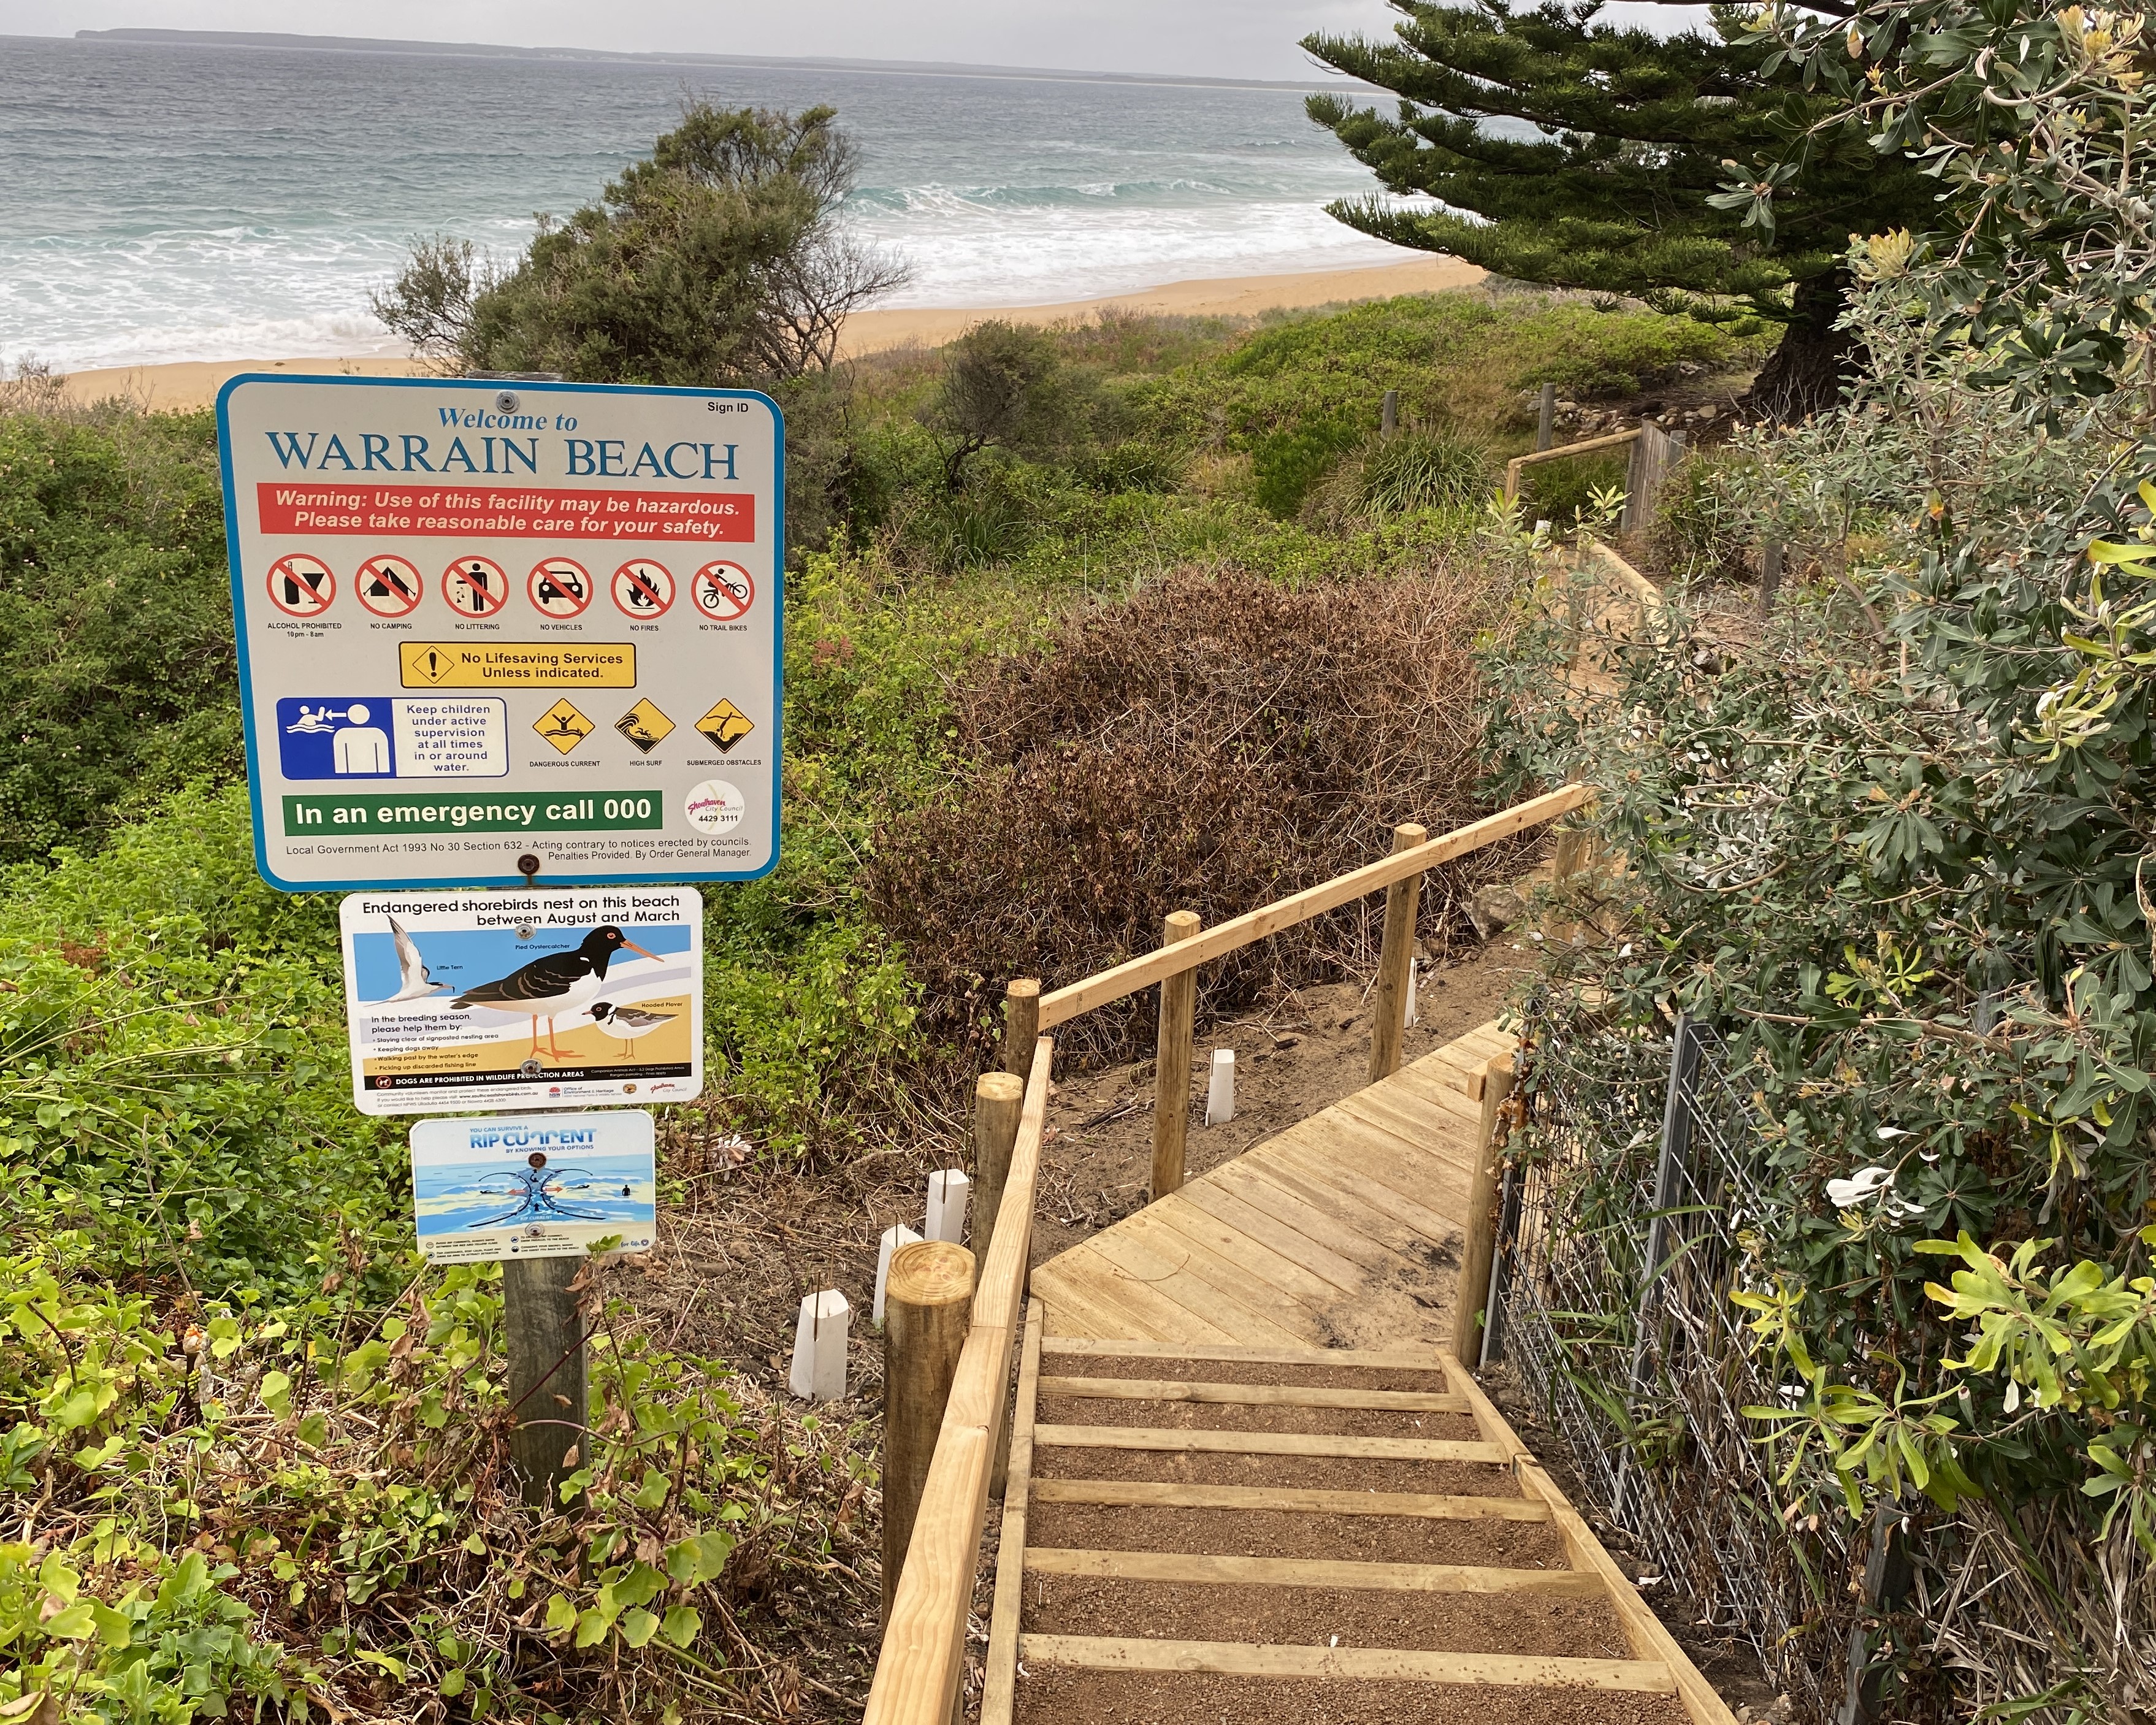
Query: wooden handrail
{"points": [[923, 1656], [1063, 1004], [1649, 596], [1585, 447]]}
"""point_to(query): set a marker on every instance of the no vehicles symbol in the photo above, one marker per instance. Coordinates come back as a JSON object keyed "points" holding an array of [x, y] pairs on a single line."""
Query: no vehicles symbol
{"points": [[642, 588], [475, 586], [302, 585], [560, 587], [724, 591], [389, 587]]}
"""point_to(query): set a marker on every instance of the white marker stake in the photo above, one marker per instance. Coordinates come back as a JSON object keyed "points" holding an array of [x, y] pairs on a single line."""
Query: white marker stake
{"points": [[948, 1189], [1412, 1013], [892, 1239], [819, 1346], [1221, 1092]]}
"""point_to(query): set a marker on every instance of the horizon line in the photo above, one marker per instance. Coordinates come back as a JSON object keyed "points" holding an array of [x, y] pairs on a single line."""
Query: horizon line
{"points": [[150, 36]]}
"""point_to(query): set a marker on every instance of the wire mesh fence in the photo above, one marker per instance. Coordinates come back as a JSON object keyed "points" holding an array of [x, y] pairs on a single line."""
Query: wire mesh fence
{"points": [[1637, 1178]]}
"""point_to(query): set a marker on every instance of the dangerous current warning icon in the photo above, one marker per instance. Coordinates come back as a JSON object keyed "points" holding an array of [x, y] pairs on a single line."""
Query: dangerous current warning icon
{"points": [[475, 586], [560, 588], [302, 585], [726, 725], [642, 587], [644, 726], [563, 726], [389, 587], [724, 591]]}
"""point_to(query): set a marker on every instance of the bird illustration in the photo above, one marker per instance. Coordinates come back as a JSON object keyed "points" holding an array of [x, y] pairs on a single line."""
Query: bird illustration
{"points": [[629, 1022], [558, 983], [414, 981]]}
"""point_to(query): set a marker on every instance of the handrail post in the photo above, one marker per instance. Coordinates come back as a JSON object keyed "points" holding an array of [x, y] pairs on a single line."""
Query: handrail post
{"points": [[1473, 1291], [1170, 1062], [928, 1307], [998, 1100], [1402, 900], [1021, 1026]]}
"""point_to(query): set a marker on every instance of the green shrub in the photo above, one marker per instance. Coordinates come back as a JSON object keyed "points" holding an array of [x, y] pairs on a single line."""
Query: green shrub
{"points": [[1289, 464], [1423, 469]]}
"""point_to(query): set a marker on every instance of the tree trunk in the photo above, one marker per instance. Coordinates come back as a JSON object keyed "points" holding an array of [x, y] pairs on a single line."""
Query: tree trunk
{"points": [[1805, 374]]}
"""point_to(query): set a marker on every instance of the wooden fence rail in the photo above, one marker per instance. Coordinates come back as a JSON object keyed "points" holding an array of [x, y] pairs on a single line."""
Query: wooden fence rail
{"points": [[922, 1662]]}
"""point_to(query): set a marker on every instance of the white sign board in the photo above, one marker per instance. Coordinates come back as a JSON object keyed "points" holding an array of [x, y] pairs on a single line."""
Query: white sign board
{"points": [[534, 1186], [460, 1000], [480, 621]]}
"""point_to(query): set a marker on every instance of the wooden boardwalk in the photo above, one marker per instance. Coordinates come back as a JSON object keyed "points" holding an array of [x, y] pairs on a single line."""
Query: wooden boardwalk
{"points": [[1248, 1481], [1343, 1231]]}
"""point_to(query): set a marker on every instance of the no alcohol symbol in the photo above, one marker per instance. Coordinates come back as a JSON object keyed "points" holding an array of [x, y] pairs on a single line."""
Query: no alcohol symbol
{"points": [[560, 588], [302, 585]]}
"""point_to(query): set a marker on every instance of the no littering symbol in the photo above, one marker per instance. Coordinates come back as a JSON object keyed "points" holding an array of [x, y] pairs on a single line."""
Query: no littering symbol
{"points": [[642, 588], [389, 587], [475, 586], [724, 591], [302, 585], [560, 588]]}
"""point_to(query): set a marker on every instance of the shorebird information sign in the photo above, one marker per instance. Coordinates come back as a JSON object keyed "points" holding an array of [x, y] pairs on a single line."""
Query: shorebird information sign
{"points": [[478, 621], [533, 1185], [524, 1000]]}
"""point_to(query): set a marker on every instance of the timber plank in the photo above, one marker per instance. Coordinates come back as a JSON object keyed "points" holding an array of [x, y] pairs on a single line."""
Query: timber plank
{"points": [[1265, 1443], [1255, 1396], [1360, 1358], [1403, 1117], [1216, 1199], [1188, 1222], [1426, 1179], [1000, 1674], [1364, 1212], [1370, 1172], [1438, 1087], [1203, 1570], [1245, 1180], [1084, 1276], [1304, 1500], [1174, 1271], [1246, 1659]]}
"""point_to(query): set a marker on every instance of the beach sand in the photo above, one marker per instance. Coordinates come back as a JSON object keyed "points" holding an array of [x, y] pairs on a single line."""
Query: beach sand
{"points": [[194, 383]]}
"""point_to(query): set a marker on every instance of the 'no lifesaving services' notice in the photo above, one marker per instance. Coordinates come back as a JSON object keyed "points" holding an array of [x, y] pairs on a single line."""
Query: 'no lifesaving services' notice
{"points": [[482, 620]]}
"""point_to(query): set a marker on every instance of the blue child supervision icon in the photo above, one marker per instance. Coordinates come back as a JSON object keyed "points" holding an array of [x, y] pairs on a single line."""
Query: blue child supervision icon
{"points": [[337, 737]]}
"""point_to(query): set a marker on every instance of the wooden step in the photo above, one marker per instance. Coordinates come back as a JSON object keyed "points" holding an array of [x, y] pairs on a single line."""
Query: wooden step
{"points": [[1272, 1395], [1204, 1570], [1265, 1443], [1304, 1500], [1138, 1653], [1358, 1360]]}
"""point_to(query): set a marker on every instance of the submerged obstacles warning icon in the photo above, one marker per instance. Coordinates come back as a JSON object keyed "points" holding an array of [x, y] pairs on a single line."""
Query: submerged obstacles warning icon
{"points": [[645, 726], [725, 725]]}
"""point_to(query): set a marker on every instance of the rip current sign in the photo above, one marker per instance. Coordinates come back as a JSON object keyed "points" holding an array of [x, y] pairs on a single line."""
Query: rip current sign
{"points": [[533, 1186], [448, 589]]}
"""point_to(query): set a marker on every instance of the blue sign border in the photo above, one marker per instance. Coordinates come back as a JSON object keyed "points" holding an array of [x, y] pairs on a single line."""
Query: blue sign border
{"points": [[512, 879]]}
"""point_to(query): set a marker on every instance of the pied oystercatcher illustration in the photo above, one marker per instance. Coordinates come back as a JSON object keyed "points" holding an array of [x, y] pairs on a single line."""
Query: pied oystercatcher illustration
{"points": [[559, 982], [629, 1022]]}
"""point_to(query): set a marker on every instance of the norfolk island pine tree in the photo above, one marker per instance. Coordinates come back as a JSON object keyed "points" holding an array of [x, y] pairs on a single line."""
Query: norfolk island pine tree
{"points": [[1627, 189]]}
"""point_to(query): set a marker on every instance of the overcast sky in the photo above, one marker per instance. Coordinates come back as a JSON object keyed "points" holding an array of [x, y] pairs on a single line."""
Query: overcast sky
{"points": [[1237, 38]]}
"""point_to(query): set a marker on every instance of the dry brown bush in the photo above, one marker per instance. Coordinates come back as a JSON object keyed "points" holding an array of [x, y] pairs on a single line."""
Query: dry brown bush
{"points": [[1214, 743]]}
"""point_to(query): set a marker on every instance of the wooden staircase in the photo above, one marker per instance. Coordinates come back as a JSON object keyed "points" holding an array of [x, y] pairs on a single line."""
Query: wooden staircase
{"points": [[1197, 1531]]}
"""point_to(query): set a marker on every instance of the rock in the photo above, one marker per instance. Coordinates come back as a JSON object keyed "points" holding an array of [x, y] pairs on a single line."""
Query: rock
{"points": [[1494, 908]]}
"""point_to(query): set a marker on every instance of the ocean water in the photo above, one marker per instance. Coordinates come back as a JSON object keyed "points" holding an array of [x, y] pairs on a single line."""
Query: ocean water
{"points": [[167, 202]]}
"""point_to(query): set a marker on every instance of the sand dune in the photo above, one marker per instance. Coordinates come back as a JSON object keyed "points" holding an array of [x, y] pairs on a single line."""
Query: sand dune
{"points": [[178, 386]]}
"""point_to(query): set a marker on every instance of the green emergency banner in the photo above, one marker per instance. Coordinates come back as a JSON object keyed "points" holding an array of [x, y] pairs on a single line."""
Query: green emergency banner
{"points": [[402, 811]]}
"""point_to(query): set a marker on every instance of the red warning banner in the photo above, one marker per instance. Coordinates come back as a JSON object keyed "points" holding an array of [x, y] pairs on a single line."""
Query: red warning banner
{"points": [[719, 517]]}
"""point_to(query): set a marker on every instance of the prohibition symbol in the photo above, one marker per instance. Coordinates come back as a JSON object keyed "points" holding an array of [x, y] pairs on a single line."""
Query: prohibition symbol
{"points": [[475, 586], [724, 591], [642, 588], [389, 587], [302, 585], [560, 588]]}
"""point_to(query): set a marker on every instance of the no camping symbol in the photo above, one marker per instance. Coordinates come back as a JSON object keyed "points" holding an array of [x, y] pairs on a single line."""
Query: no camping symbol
{"points": [[475, 586], [724, 591], [302, 585], [389, 587], [642, 588], [560, 587]]}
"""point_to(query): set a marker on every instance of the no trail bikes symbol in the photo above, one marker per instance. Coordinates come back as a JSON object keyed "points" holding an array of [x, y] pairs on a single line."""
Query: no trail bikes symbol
{"points": [[724, 591], [642, 587], [475, 586], [302, 585], [389, 587]]}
